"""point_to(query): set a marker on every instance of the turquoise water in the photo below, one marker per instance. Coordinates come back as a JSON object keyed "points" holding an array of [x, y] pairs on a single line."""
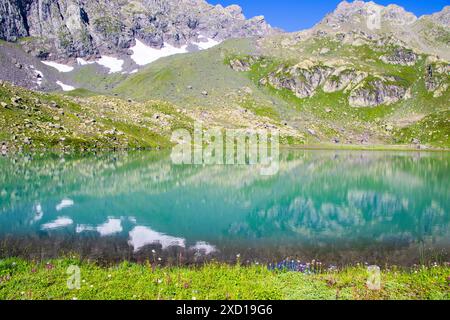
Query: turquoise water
{"points": [[338, 207]]}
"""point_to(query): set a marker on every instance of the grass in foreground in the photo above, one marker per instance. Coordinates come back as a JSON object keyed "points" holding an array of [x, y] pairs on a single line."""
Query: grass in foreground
{"points": [[31, 280]]}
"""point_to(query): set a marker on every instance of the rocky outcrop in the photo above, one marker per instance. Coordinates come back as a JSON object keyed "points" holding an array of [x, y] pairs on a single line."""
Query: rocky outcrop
{"points": [[427, 34], [364, 92], [436, 78], [75, 28], [401, 56], [301, 81], [367, 15], [376, 92], [442, 18], [341, 79], [13, 23], [241, 65], [18, 68]]}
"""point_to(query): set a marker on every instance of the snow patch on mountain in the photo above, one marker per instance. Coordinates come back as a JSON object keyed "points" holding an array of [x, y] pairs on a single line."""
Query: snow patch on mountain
{"points": [[143, 54], [113, 64], [65, 87], [58, 66]]}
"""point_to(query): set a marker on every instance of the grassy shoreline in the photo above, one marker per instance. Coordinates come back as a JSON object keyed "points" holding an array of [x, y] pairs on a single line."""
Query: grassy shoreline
{"points": [[20, 279]]}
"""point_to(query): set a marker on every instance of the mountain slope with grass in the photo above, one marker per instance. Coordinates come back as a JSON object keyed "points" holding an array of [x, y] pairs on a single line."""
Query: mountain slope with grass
{"points": [[360, 91], [32, 120], [365, 75], [85, 121]]}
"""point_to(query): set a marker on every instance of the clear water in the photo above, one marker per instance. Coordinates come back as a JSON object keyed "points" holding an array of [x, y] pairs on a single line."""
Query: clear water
{"points": [[338, 207]]}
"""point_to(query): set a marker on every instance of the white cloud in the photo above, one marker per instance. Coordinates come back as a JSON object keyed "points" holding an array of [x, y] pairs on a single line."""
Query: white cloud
{"points": [[112, 226], [83, 227], [65, 203], [60, 222], [38, 213], [142, 236], [204, 247]]}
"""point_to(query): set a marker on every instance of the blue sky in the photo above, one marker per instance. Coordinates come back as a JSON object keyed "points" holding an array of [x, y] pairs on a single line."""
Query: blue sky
{"points": [[294, 15]]}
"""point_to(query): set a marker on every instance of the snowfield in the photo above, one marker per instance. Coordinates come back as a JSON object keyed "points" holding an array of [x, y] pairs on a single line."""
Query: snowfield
{"points": [[58, 66], [206, 43], [113, 64], [65, 87], [39, 75], [143, 54]]}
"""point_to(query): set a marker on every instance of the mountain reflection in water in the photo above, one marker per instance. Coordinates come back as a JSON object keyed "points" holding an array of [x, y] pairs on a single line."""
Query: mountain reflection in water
{"points": [[334, 206]]}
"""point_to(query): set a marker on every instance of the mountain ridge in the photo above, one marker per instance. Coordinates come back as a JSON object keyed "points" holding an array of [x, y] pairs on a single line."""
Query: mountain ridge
{"points": [[72, 28]]}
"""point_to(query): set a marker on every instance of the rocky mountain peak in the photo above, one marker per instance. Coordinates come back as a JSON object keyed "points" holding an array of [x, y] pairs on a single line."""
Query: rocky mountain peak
{"points": [[235, 11], [73, 28], [442, 17], [398, 15], [362, 14]]}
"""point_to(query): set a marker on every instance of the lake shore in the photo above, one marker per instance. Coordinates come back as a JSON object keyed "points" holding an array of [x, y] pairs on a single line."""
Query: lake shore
{"points": [[345, 147], [20, 279]]}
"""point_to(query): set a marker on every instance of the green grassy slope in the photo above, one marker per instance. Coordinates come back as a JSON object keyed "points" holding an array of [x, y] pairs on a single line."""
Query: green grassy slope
{"points": [[33, 120], [170, 77], [182, 79], [331, 115], [205, 87]]}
